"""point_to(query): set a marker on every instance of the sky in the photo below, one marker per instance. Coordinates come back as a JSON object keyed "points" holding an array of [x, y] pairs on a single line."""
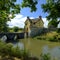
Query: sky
{"points": [[21, 17]]}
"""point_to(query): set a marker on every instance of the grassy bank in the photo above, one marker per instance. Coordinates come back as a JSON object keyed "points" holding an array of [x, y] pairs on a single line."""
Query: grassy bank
{"points": [[9, 52]]}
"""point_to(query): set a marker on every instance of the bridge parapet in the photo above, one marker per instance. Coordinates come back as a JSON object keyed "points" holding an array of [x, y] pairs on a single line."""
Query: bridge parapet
{"points": [[11, 36]]}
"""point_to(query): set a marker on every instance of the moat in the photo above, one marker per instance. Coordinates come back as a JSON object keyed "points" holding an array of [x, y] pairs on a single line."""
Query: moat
{"points": [[36, 47]]}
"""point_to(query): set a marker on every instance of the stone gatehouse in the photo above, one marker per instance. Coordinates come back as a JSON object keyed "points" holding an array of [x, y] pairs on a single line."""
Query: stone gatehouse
{"points": [[33, 26]]}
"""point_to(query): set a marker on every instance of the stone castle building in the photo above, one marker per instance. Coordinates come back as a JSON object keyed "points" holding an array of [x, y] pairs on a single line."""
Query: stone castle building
{"points": [[33, 26]]}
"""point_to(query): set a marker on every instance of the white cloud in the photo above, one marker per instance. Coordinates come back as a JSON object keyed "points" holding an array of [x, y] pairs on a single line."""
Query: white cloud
{"points": [[20, 19], [45, 22], [18, 16], [17, 21]]}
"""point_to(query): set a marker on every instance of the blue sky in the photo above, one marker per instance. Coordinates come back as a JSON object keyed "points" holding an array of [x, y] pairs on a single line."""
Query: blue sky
{"points": [[21, 17], [26, 11]]}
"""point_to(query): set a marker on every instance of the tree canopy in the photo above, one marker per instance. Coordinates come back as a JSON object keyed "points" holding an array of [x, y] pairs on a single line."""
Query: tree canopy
{"points": [[30, 3], [52, 7], [8, 7]]}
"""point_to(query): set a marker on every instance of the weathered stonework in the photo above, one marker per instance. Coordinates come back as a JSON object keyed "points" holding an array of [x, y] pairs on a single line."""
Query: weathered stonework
{"points": [[33, 26]]}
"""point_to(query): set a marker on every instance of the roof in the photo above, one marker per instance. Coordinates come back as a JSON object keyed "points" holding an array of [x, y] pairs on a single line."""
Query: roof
{"points": [[35, 20]]}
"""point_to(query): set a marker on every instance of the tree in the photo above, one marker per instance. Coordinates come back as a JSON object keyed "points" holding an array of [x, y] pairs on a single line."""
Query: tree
{"points": [[15, 28], [30, 3], [53, 23], [52, 7], [3, 20], [8, 7]]}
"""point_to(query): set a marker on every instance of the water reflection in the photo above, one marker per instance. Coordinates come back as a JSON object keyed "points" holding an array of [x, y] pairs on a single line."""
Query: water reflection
{"points": [[20, 45], [45, 50], [54, 52], [16, 43]]}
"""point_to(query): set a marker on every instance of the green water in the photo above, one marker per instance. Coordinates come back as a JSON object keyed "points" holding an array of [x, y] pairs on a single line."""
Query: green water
{"points": [[36, 47]]}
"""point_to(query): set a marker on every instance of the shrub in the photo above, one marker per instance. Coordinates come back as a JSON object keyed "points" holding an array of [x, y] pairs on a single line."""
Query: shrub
{"points": [[15, 28], [15, 52], [40, 37], [9, 49], [58, 30], [53, 39], [5, 49], [45, 56]]}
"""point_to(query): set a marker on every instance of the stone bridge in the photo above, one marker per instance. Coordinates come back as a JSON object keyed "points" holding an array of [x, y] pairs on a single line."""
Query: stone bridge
{"points": [[12, 35]]}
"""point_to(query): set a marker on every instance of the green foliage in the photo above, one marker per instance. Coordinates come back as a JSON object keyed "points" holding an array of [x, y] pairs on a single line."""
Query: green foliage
{"points": [[58, 30], [53, 23], [54, 38], [9, 49], [7, 7], [3, 20], [51, 39], [49, 36], [52, 7], [16, 52], [45, 57], [21, 29], [5, 49], [30, 3], [41, 37], [15, 28]]}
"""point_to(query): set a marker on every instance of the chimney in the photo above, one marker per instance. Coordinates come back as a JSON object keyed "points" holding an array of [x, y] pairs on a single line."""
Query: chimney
{"points": [[28, 17], [40, 17]]}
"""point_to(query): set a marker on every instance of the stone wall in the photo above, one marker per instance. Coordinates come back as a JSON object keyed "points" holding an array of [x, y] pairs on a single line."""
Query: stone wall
{"points": [[36, 31], [39, 31], [11, 36]]}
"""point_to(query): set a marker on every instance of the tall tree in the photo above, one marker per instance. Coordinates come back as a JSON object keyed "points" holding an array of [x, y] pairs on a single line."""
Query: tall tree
{"points": [[52, 7], [7, 7]]}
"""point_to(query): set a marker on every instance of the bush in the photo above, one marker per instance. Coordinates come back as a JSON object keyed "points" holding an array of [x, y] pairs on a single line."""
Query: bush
{"points": [[5, 49], [9, 49], [40, 37], [45, 57], [58, 30], [53, 39], [15, 28]]}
